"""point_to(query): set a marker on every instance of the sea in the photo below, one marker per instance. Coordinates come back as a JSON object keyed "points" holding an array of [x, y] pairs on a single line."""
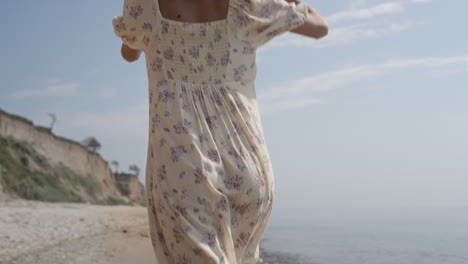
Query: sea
{"points": [[368, 235]]}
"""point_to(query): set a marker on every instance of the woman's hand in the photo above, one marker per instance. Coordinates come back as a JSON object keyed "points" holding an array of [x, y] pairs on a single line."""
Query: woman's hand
{"points": [[129, 54]]}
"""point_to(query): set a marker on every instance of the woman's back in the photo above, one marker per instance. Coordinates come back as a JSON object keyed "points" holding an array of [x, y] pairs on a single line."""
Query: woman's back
{"points": [[194, 11]]}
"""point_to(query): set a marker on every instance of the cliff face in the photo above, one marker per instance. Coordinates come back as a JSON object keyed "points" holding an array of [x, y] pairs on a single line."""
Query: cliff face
{"points": [[130, 186], [64, 155]]}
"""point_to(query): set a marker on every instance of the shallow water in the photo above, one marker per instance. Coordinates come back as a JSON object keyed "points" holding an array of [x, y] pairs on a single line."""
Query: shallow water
{"points": [[377, 236]]}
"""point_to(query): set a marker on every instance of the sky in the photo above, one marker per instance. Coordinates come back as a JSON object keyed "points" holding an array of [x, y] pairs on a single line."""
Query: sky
{"points": [[374, 115]]}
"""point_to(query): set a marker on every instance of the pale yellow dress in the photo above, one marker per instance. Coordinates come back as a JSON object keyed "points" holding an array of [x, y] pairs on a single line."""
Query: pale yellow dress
{"points": [[209, 180]]}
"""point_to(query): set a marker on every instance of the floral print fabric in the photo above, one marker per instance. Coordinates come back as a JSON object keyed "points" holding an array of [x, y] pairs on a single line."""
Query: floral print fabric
{"points": [[209, 180]]}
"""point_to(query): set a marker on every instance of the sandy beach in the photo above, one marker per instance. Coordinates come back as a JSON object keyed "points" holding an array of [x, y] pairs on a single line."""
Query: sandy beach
{"points": [[33, 232], [39, 232]]}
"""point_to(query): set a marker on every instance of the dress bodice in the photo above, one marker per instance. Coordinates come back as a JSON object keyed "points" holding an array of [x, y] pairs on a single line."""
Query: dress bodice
{"points": [[199, 53], [221, 51]]}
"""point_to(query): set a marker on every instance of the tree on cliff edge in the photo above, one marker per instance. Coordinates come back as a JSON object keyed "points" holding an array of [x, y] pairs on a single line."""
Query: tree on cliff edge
{"points": [[91, 143], [116, 164], [53, 120], [134, 168]]}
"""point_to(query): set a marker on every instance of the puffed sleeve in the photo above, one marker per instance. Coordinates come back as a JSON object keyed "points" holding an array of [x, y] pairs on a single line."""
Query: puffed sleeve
{"points": [[135, 23], [262, 20]]}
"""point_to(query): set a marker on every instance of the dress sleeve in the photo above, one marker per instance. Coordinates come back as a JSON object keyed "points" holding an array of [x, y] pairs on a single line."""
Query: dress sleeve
{"points": [[262, 20], [134, 24]]}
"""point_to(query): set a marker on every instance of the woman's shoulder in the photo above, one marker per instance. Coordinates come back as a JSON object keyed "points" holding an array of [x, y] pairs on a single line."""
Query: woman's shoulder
{"points": [[258, 21]]}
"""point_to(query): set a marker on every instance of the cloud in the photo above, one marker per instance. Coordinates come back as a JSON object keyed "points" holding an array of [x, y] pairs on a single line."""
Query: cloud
{"points": [[361, 22], [303, 92], [292, 103], [349, 34], [428, 61], [52, 89], [359, 10], [368, 12]]}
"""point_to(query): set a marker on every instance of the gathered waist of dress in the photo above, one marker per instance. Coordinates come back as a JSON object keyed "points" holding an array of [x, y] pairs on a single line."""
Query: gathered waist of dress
{"points": [[248, 89], [200, 83]]}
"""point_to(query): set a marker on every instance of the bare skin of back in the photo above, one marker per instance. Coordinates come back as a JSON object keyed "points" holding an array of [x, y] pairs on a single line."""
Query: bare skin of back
{"points": [[199, 11]]}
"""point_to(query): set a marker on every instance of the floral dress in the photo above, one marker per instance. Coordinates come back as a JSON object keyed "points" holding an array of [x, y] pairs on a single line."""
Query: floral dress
{"points": [[209, 180]]}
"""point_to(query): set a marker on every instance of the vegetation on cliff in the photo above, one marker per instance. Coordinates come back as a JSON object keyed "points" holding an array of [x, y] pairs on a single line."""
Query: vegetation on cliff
{"points": [[28, 175]]}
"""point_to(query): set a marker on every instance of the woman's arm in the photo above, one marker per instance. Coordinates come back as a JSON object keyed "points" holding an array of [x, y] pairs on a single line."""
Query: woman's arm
{"points": [[129, 54], [315, 26]]}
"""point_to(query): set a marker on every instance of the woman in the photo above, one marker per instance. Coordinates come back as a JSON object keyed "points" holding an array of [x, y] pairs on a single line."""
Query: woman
{"points": [[209, 180]]}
